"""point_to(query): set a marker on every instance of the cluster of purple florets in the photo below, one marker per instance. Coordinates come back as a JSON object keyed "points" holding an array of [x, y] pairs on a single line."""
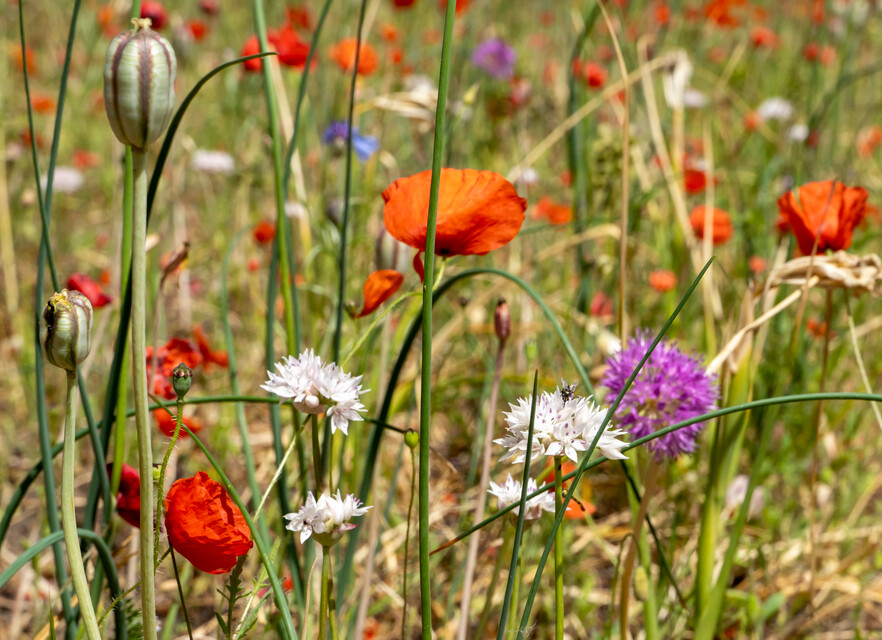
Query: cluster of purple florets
{"points": [[670, 388]]}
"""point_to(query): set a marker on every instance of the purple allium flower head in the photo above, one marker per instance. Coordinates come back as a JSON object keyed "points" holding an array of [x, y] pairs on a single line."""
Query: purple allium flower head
{"points": [[495, 57], [337, 133], [671, 387]]}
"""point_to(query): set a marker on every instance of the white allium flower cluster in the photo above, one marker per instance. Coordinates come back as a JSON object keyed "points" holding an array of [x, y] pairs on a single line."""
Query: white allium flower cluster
{"points": [[775, 108], [510, 493], [314, 387], [219, 162], [326, 516], [565, 424]]}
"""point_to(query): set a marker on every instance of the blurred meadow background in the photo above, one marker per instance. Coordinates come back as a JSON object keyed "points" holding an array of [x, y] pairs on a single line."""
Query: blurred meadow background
{"points": [[644, 137]]}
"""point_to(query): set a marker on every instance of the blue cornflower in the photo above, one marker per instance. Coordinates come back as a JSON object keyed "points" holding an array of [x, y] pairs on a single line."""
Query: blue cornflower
{"points": [[495, 57], [337, 133], [671, 387]]}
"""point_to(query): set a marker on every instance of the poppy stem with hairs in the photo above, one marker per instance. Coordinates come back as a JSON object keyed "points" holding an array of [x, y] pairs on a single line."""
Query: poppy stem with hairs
{"points": [[558, 553], [68, 514], [428, 281], [139, 367]]}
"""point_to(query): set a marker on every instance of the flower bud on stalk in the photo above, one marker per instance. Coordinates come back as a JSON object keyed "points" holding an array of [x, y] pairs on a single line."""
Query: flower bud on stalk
{"points": [[139, 85], [66, 330], [502, 321]]}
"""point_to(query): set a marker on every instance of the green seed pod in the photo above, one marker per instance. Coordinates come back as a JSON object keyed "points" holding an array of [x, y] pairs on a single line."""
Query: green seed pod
{"points": [[66, 330], [412, 438], [139, 85], [182, 376]]}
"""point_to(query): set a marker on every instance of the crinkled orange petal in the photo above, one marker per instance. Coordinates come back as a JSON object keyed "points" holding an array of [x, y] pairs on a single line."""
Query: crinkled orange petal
{"points": [[721, 224], [418, 265], [379, 287], [478, 211], [826, 212]]}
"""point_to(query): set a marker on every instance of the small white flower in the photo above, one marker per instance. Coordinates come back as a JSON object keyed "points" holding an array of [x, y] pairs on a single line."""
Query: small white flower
{"points": [[325, 517], [775, 109], [65, 180], [798, 132], [694, 99], [314, 387], [219, 162], [294, 209], [510, 493], [675, 82]]}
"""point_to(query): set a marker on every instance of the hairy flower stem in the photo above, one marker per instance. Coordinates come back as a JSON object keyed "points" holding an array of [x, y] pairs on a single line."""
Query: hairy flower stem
{"points": [[69, 516], [160, 502], [413, 488], [323, 603], [628, 570], [481, 497], [139, 369], [558, 554]]}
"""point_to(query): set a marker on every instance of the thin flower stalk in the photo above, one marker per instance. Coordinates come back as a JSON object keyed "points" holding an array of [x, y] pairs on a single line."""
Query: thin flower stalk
{"points": [[558, 554]]}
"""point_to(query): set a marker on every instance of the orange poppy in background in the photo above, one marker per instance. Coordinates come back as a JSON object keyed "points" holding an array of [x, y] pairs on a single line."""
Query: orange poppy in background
{"points": [[204, 525], [553, 212], [721, 224], [761, 36], [167, 423], [91, 289], [128, 497], [694, 180], [343, 53], [209, 355], [478, 211], [379, 287], [662, 280], [825, 213]]}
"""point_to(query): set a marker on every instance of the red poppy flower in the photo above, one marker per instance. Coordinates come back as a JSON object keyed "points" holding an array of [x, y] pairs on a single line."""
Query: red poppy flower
{"points": [[461, 5], [601, 305], [128, 497], [662, 14], [41, 103], [264, 232], [299, 17], [593, 75], [167, 423], [156, 12], [85, 159], [204, 525], [662, 280], [20, 62], [694, 180], [343, 53], [403, 4], [379, 287], [173, 353], [756, 264], [292, 50], [209, 7], [763, 37], [721, 224], [478, 211], [389, 32], [825, 213], [209, 355], [868, 140], [89, 288], [251, 47], [553, 212], [197, 29]]}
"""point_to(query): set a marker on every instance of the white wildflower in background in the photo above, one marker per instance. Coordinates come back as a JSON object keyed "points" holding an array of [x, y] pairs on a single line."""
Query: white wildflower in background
{"points": [[675, 82], [775, 109], [510, 493], [65, 180], [314, 387], [798, 132], [694, 99], [325, 517], [219, 162], [565, 424]]}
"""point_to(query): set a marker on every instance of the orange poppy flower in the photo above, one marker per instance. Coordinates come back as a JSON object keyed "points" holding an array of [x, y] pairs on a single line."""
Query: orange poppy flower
{"points": [[167, 423], [553, 212], [868, 140], [662, 280], [763, 37], [91, 289], [173, 353], [389, 32], [721, 224], [825, 213], [478, 211], [264, 232], [209, 355], [41, 103], [379, 287], [343, 53], [756, 264], [128, 497], [461, 5], [204, 525], [694, 180]]}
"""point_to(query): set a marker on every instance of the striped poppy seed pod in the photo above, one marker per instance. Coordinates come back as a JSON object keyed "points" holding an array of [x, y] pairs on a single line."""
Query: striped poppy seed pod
{"points": [[502, 321], [139, 85], [182, 378], [66, 330]]}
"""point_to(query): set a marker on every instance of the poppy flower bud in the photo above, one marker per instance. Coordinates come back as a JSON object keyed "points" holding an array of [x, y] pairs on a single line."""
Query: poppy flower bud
{"points": [[139, 85], [66, 330], [182, 376], [411, 438], [502, 321]]}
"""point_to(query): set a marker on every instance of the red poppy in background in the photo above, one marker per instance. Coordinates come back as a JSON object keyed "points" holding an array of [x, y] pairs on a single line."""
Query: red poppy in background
{"points": [[461, 5], [721, 224], [173, 353], [662, 280], [197, 29], [591, 73], [89, 288], [868, 140], [15, 54], [299, 17], [551, 211], [209, 7], [389, 32], [343, 53], [756, 264], [763, 37], [167, 423], [156, 12], [292, 50], [403, 4], [379, 287], [128, 497], [264, 232], [209, 355], [83, 159], [600, 305], [204, 525], [478, 211], [41, 103], [825, 213], [694, 180]]}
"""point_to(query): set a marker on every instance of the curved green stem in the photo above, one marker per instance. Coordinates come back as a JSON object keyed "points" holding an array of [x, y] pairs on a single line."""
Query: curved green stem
{"points": [[558, 553], [160, 500], [69, 516], [139, 366]]}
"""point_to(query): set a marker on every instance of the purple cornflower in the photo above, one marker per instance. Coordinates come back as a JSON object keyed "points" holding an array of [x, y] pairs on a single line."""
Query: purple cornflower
{"points": [[671, 387], [495, 57], [337, 133]]}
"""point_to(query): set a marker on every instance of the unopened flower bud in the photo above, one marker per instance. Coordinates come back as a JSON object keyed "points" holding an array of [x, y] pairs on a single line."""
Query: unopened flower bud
{"points": [[66, 330], [139, 85], [502, 320], [411, 438], [182, 376]]}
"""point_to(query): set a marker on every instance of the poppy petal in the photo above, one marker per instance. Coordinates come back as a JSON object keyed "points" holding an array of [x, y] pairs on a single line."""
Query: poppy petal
{"points": [[418, 265], [379, 287]]}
